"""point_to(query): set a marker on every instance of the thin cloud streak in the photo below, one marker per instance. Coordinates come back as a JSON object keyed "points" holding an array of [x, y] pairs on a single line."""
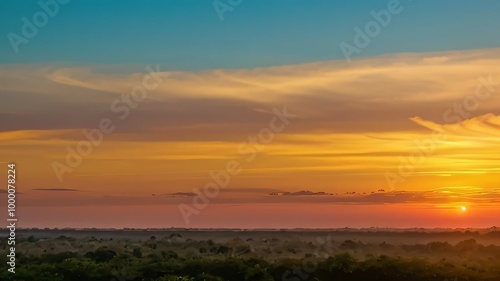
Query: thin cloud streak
{"points": [[56, 189]]}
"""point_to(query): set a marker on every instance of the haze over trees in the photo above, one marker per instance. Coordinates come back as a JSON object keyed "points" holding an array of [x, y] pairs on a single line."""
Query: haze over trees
{"points": [[258, 256]]}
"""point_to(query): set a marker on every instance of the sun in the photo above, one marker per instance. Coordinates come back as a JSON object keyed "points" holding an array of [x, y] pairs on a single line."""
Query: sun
{"points": [[463, 208]]}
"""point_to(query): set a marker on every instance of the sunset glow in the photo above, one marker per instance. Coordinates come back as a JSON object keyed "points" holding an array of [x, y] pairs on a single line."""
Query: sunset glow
{"points": [[230, 125], [168, 146]]}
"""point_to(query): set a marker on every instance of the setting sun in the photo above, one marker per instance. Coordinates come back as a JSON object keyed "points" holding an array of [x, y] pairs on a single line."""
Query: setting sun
{"points": [[463, 208]]}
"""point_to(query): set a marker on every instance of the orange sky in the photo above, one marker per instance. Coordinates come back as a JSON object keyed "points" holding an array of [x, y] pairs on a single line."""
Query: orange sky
{"points": [[352, 126]]}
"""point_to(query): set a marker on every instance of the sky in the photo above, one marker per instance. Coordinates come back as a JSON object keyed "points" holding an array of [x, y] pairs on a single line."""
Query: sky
{"points": [[171, 114]]}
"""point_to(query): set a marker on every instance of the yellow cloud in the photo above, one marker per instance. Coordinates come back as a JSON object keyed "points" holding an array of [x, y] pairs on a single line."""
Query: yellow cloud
{"points": [[487, 125]]}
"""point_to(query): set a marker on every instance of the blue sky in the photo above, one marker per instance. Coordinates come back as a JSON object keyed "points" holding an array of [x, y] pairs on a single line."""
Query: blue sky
{"points": [[188, 34]]}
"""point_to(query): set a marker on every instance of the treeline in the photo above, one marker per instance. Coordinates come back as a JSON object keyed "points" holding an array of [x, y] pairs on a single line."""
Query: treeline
{"points": [[70, 259], [106, 265]]}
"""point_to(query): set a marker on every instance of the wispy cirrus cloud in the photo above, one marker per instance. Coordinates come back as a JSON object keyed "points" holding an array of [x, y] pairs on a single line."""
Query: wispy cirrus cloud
{"points": [[378, 94], [487, 125]]}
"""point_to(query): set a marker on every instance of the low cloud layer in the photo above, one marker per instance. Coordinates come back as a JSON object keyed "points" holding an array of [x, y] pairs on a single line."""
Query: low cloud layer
{"points": [[56, 189], [442, 197]]}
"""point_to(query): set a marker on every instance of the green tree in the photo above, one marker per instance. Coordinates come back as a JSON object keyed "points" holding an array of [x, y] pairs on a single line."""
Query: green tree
{"points": [[137, 252]]}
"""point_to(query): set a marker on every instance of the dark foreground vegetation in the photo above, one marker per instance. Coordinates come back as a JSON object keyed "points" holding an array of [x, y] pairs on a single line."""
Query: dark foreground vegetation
{"points": [[70, 259], [104, 266]]}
